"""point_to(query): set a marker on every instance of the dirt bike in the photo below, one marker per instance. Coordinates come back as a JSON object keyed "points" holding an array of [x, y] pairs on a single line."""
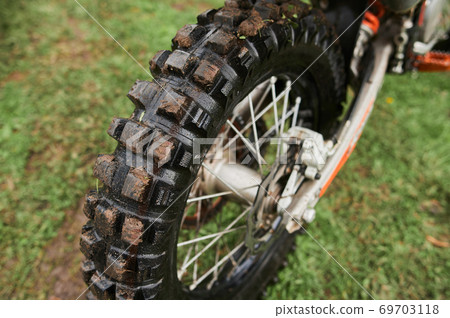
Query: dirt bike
{"points": [[249, 118]]}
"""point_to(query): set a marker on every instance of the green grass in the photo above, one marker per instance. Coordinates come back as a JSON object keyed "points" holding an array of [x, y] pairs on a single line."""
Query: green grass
{"points": [[391, 194], [62, 79]]}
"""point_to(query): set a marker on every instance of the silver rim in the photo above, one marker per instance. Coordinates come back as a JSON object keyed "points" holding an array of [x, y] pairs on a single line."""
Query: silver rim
{"points": [[214, 225]]}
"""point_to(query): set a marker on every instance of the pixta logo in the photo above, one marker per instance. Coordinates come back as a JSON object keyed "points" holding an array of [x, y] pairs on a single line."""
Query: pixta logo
{"points": [[150, 150]]}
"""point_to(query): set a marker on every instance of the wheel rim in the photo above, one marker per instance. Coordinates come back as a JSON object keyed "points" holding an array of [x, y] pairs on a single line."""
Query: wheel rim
{"points": [[211, 242]]}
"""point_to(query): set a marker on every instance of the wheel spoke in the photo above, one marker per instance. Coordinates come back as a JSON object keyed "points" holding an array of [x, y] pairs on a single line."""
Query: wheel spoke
{"points": [[233, 261], [195, 269], [285, 106], [257, 117], [255, 131], [273, 80], [216, 195], [185, 213], [263, 98], [209, 196], [271, 130], [207, 237], [283, 116], [197, 230], [186, 258], [216, 259], [193, 259], [247, 116], [296, 109], [245, 140], [223, 260]]}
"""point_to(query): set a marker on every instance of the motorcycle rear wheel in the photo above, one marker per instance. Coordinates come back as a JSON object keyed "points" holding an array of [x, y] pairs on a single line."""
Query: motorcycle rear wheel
{"points": [[131, 239]]}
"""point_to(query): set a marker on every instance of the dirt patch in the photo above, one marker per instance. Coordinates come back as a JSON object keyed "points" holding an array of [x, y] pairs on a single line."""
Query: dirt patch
{"points": [[73, 48], [432, 206], [183, 5], [59, 269], [362, 171], [70, 49], [51, 154], [14, 76], [73, 23]]}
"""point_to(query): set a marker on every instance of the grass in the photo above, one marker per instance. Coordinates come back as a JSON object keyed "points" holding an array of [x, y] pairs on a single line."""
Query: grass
{"points": [[62, 79], [376, 216]]}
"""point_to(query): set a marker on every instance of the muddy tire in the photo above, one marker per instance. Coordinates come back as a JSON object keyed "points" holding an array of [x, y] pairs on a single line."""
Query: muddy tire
{"points": [[130, 240]]}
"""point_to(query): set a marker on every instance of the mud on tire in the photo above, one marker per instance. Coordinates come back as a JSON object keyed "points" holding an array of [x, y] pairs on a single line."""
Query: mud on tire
{"points": [[130, 239]]}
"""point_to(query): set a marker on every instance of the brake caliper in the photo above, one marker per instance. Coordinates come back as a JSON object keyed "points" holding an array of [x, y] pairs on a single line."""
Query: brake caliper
{"points": [[309, 161], [303, 155]]}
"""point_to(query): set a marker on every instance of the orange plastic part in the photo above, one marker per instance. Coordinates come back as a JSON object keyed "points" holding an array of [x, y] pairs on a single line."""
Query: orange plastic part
{"points": [[370, 20], [379, 9], [349, 149], [422, 13], [433, 62]]}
